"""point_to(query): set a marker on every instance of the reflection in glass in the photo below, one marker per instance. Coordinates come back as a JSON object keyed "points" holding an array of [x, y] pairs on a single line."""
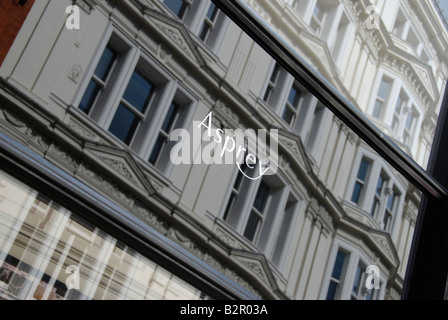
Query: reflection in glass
{"points": [[40, 240]]}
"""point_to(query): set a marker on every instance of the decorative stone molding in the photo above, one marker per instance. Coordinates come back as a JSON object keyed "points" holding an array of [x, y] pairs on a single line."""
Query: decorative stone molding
{"points": [[410, 212], [320, 213], [82, 131], [86, 5], [231, 273], [358, 216], [75, 73], [351, 136], [147, 215], [186, 242], [120, 167], [257, 265], [87, 172], [64, 157], [31, 134], [228, 239], [176, 32], [13, 119], [392, 294], [414, 78], [384, 244], [228, 115]]}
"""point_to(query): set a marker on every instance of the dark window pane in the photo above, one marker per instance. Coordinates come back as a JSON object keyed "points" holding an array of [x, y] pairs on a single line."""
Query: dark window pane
{"points": [[390, 201], [386, 220], [332, 290], [379, 186], [89, 96], [287, 115], [356, 192], [170, 117], [275, 73], [124, 124], [204, 31], [362, 173], [357, 282], [292, 98], [262, 196], [157, 148], [383, 91], [268, 93], [374, 207], [212, 11], [283, 234], [105, 63], [239, 177], [229, 206], [251, 226], [338, 265], [138, 91], [179, 7]]}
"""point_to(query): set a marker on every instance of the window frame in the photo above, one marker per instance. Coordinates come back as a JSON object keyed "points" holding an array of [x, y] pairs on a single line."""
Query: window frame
{"points": [[380, 114], [195, 18], [166, 91], [267, 235], [303, 116], [398, 90], [377, 167], [354, 257]]}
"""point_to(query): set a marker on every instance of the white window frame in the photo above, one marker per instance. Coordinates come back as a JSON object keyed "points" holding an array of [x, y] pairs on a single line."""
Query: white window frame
{"points": [[354, 256], [187, 13], [407, 31], [274, 211], [377, 167], [383, 113], [398, 88], [339, 39], [354, 179], [304, 116], [196, 15]]}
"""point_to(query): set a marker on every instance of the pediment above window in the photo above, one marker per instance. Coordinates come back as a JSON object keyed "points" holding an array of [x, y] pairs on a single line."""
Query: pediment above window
{"points": [[178, 36], [384, 243], [121, 164], [257, 265], [293, 145]]}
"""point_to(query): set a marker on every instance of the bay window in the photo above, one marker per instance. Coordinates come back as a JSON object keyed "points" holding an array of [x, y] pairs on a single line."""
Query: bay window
{"points": [[361, 180], [346, 277], [295, 105], [382, 98], [337, 276], [263, 212], [376, 191], [131, 97], [202, 17]]}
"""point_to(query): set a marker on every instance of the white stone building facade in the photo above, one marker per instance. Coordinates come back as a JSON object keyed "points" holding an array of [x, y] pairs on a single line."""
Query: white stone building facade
{"points": [[101, 103]]}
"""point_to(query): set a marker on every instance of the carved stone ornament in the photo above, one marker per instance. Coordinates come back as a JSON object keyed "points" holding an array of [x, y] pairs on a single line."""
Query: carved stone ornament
{"points": [[120, 167], [33, 135], [384, 244], [13, 119], [75, 73], [104, 184]]}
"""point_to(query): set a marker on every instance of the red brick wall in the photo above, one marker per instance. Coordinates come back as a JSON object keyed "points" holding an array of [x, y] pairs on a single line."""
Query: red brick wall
{"points": [[12, 16]]}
